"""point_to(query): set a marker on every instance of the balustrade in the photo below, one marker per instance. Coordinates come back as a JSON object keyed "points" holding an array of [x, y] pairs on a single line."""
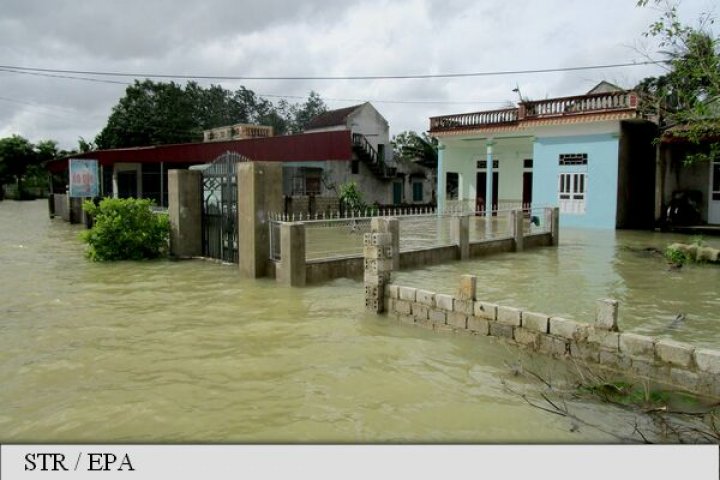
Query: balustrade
{"points": [[553, 107]]}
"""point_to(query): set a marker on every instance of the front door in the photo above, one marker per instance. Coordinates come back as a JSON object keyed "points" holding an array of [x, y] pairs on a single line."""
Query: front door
{"points": [[127, 183], [714, 201], [397, 193], [481, 190], [527, 189]]}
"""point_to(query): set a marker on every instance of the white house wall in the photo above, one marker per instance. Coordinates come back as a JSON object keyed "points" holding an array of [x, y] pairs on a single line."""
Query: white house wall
{"points": [[368, 122]]}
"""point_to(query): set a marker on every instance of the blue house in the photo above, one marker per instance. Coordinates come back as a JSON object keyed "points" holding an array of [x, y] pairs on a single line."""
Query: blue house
{"points": [[590, 155]]}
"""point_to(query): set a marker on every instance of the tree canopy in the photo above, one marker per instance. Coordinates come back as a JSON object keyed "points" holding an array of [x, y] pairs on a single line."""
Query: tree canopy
{"points": [[20, 162], [410, 146], [686, 100], [156, 113]]}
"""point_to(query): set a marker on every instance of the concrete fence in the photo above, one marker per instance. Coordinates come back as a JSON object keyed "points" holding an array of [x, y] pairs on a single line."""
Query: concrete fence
{"points": [[598, 342], [292, 245]]}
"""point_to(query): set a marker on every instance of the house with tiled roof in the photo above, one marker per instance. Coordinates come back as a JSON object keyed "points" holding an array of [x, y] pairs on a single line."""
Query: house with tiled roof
{"points": [[592, 155], [381, 179]]}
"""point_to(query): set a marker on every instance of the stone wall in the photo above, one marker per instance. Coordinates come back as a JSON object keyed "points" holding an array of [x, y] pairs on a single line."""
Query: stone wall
{"points": [[600, 343]]}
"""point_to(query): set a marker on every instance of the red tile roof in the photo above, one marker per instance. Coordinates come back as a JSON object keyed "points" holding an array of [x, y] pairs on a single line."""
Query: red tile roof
{"points": [[331, 118]]}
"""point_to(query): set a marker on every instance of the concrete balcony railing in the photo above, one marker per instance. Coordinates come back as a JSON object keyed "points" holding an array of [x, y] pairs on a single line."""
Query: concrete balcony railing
{"points": [[580, 105], [469, 120], [554, 107], [240, 131], [253, 131]]}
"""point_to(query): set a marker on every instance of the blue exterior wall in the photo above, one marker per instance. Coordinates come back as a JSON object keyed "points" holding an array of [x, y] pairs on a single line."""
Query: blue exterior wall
{"points": [[602, 176]]}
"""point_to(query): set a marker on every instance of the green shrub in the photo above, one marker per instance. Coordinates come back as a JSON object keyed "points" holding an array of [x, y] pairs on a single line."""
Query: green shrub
{"points": [[351, 197], [125, 229], [675, 256]]}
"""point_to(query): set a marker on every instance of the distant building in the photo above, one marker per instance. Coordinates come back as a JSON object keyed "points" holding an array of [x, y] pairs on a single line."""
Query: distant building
{"points": [[380, 178], [339, 146]]}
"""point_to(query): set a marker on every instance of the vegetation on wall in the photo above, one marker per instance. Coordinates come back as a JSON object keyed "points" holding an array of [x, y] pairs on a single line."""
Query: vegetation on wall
{"points": [[125, 229]]}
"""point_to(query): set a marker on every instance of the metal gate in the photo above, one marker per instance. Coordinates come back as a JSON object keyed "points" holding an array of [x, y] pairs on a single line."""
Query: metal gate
{"points": [[220, 196]]}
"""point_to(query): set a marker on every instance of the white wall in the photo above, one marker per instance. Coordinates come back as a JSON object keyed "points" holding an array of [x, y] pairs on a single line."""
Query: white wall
{"points": [[368, 121]]}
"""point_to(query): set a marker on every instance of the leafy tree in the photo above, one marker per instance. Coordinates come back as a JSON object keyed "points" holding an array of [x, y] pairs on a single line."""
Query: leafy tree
{"points": [[150, 114], [410, 146], [125, 229], [46, 150], [17, 154], [300, 115], [688, 96], [153, 113], [84, 146]]}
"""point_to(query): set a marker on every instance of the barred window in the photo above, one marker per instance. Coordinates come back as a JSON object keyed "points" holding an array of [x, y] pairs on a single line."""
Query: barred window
{"points": [[482, 164], [573, 159]]}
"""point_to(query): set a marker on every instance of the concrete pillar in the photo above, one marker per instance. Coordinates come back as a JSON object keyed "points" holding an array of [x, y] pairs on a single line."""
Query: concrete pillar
{"points": [[75, 209], [606, 315], [377, 267], [489, 177], [467, 288], [661, 154], [63, 205], [460, 234], [389, 225], [517, 219], [51, 205], [489, 186], [259, 194], [441, 174], [291, 270], [185, 212], [555, 226]]}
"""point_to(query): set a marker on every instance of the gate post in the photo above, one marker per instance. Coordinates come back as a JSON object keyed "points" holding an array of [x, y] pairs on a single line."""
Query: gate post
{"points": [[185, 212], [555, 226], [292, 270], [460, 232], [259, 194], [516, 217], [389, 225]]}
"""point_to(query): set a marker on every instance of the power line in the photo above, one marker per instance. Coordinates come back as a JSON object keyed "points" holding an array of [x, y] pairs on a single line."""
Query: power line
{"points": [[323, 77], [269, 95], [39, 74]]}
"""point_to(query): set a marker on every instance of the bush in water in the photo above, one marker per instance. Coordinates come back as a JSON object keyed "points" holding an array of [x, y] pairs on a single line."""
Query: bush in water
{"points": [[125, 229]]}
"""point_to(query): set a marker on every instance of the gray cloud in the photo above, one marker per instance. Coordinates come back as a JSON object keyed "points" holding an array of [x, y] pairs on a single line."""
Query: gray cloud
{"points": [[316, 37]]}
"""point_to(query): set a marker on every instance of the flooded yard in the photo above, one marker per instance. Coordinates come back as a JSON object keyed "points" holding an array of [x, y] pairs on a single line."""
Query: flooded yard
{"points": [[188, 351]]}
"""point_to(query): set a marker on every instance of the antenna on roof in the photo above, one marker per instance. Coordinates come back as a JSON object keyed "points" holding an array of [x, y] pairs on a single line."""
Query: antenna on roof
{"points": [[517, 90]]}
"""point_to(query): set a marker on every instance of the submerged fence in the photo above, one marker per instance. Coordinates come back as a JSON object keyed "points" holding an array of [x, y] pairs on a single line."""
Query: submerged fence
{"points": [[337, 236]]}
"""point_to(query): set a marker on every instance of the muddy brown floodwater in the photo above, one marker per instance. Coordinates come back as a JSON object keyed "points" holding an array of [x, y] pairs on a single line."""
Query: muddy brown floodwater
{"points": [[168, 351]]}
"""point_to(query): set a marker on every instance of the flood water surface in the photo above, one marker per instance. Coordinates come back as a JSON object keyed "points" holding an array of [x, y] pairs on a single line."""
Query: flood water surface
{"points": [[168, 351]]}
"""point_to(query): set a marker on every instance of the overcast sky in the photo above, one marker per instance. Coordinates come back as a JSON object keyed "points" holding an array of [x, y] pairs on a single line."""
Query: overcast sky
{"points": [[313, 38]]}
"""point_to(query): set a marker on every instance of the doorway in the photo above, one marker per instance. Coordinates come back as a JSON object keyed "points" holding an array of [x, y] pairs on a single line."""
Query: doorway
{"points": [[714, 196], [481, 190], [397, 193], [127, 184]]}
